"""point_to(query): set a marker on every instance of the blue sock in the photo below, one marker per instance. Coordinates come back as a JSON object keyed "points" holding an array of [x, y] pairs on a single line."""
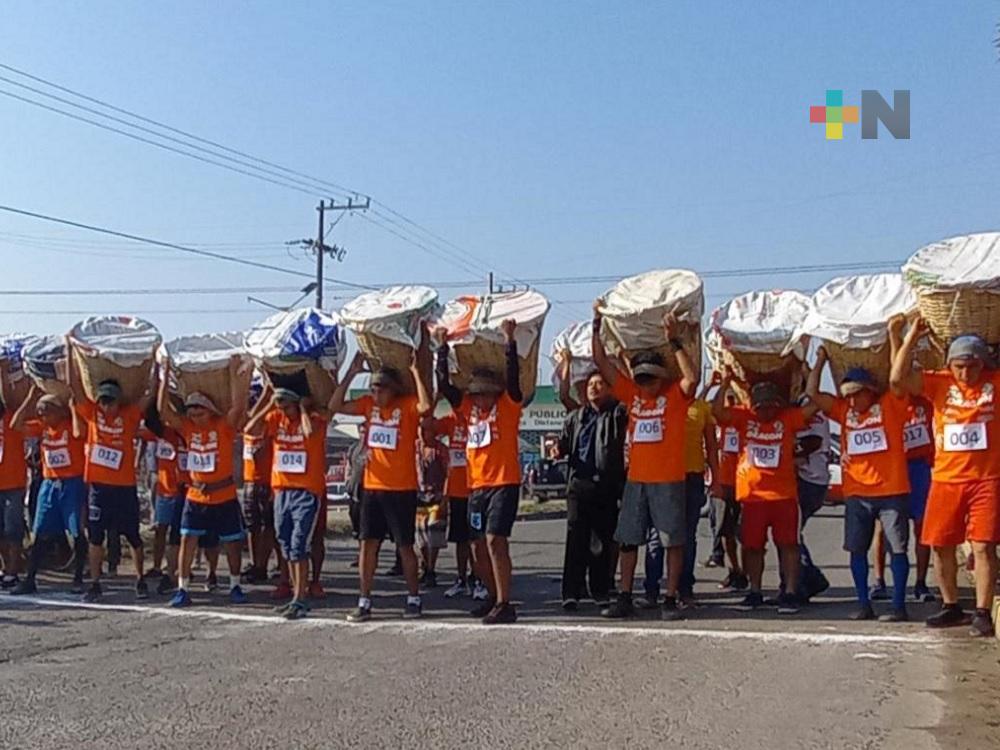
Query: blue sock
{"points": [[859, 571], [900, 565]]}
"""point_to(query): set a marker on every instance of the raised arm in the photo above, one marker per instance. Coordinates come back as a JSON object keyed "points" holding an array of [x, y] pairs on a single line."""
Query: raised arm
{"points": [[168, 416], [73, 379], [338, 403], [722, 413], [240, 373], [255, 424], [565, 373], [424, 402], [823, 401], [441, 375], [6, 387], [903, 375], [607, 368], [712, 454], [26, 410], [689, 375], [513, 365]]}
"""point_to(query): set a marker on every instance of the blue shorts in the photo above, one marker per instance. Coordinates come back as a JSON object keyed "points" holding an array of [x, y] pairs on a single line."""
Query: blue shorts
{"points": [[222, 520], [295, 514], [920, 485], [167, 509], [60, 505]]}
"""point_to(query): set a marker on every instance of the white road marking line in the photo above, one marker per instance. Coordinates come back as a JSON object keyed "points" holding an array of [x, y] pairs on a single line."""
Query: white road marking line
{"points": [[825, 638]]}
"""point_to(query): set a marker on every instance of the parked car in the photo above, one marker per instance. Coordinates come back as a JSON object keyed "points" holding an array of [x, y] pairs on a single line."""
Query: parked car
{"points": [[546, 479]]}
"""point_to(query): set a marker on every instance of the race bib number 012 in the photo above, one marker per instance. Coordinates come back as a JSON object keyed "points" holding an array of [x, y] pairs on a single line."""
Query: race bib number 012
{"points": [[383, 436], [109, 458], [863, 442], [965, 437], [764, 456], [290, 462], [648, 430]]}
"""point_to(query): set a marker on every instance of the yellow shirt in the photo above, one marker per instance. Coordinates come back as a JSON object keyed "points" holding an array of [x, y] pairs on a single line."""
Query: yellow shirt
{"points": [[699, 415]]}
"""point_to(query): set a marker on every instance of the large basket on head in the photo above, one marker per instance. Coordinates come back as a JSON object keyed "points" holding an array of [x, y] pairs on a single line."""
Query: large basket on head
{"points": [[476, 337], [753, 335], [12, 348], [633, 311], [299, 349], [388, 326], [577, 339], [45, 362], [200, 364], [957, 282], [119, 348]]}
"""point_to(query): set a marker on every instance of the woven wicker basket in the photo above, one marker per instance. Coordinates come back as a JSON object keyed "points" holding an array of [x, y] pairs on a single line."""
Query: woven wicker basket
{"points": [[134, 381], [303, 377], [382, 352], [750, 368], [874, 359], [690, 338], [52, 387], [213, 383], [488, 355], [954, 312]]}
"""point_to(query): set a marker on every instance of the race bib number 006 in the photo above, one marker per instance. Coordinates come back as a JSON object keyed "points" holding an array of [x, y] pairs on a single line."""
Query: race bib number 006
{"points": [[382, 436], [965, 437], [290, 462], [109, 458], [764, 456], [863, 442], [648, 430]]}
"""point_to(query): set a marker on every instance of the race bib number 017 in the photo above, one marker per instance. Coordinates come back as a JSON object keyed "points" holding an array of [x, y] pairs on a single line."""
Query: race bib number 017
{"points": [[202, 463], [382, 436], [863, 442], [648, 430], [965, 437], [290, 462], [109, 458], [915, 436], [764, 456]]}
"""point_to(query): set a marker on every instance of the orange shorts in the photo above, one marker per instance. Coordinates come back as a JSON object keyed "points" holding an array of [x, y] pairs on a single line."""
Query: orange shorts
{"points": [[962, 511], [757, 516]]}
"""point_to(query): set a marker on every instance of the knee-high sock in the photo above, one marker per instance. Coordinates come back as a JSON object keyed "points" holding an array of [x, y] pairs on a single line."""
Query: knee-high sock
{"points": [[859, 571], [38, 549], [900, 566], [79, 556]]}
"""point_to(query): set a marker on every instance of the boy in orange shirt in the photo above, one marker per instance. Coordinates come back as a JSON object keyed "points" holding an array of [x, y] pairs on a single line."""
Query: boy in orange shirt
{"points": [[655, 489], [211, 507], [13, 482], [964, 500], [875, 477], [389, 499]]}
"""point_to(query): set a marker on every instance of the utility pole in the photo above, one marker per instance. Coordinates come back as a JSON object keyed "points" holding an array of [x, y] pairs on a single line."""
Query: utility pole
{"points": [[491, 282], [319, 245]]}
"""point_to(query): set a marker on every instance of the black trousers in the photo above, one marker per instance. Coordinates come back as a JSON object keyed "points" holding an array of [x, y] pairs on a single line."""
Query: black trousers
{"points": [[591, 517]]}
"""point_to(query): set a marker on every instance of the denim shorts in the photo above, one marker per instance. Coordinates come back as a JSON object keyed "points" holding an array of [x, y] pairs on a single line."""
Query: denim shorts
{"points": [[166, 509], [60, 505], [295, 514], [860, 514]]}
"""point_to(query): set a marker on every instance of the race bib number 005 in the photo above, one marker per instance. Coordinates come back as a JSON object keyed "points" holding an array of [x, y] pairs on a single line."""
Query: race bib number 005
{"points": [[109, 458], [863, 442], [290, 462], [382, 436], [764, 456], [203, 463], [965, 437], [648, 430]]}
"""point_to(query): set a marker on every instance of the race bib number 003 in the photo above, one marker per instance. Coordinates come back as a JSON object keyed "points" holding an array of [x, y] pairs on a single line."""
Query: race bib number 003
{"points": [[915, 436], [764, 456], [203, 463], [290, 462], [965, 437], [863, 442], [648, 430], [109, 458], [731, 441], [382, 436], [57, 458], [480, 435]]}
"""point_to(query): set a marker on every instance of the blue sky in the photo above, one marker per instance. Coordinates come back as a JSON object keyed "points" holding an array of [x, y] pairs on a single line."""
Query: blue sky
{"points": [[545, 139]]}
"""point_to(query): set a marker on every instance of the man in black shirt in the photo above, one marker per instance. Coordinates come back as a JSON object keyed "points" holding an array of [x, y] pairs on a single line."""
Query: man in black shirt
{"points": [[592, 441]]}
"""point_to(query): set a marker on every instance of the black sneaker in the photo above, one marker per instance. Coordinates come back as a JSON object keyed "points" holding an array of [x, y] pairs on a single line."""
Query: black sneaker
{"points": [[815, 584], [982, 625], [154, 573], [669, 611], [77, 586], [620, 608], [740, 582], [141, 589], [649, 601], [788, 604], [896, 615], [949, 616], [296, 611], [430, 579], [413, 610], [483, 609], [864, 612], [570, 605], [751, 601], [715, 561], [112, 571], [93, 593], [164, 585], [9, 582], [361, 614], [27, 586], [922, 593], [501, 614]]}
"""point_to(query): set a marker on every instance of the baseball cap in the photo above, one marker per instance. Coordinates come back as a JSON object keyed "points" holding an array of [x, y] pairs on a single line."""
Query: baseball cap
{"points": [[766, 394], [287, 394], [968, 346], [109, 390], [857, 379], [484, 382], [196, 398]]}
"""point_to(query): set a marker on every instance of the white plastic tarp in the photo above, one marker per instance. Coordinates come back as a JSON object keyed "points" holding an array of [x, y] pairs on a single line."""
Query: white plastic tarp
{"points": [[577, 340], [297, 335], [965, 262], [634, 308], [470, 318], [854, 311], [11, 350], [393, 313], [199, 353], [42, 354], [122, 339], [759, 322]]}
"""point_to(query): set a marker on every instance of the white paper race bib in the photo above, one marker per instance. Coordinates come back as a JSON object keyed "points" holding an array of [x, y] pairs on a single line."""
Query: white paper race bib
{"points": [[249, 451], [57, 458], [730, 441], [480, 435], [182, 461], [458, 458], [383, 436], [915, 436], [764, 456], [863, 442], [290, 462], [109, 458], [203, 463], [965, 437], [165, 450], [648, 430]]}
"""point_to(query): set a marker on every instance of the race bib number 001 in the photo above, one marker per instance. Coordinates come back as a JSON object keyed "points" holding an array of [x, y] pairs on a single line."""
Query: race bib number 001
{"points": [[458, 458], [764, 456], [480, 435], [383, 436], [915, 436], [290, 462], [109, 458], [965, 437], [863, 442], [648, 430], [731, 441], [57, 458], [203, 463]]}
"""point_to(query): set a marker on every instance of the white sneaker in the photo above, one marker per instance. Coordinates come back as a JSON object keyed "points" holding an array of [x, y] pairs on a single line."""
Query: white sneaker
{"points": [[480, 593], [458, 588]]}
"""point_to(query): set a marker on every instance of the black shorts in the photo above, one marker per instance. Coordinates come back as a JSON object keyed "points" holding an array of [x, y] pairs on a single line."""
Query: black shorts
{"points": [[258, 507], [113, 510], [458, 520], [493, 510], [388, 511], [221, 521]]}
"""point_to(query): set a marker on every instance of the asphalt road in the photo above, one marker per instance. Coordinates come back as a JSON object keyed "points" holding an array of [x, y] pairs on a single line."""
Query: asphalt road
{"points": [[141, 675]]}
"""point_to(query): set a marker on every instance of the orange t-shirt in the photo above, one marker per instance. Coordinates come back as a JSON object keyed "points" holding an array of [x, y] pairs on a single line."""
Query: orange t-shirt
{"points": [[63, 455], [492, 442], [918, 432], [872, 452], [110, 444], [766, 468], [729, 454], [299, 462], [457, 484], [966, 429], [210, 459], [391, 443], [167, 472], [257, 455], [655, 431]]}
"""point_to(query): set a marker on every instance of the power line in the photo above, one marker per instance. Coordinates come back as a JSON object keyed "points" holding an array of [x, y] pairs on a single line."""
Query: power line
{"points": [[161, 291], [163, 311]]}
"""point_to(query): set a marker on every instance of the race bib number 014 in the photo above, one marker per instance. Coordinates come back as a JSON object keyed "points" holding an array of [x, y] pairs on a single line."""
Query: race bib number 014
{"points": [[290, 462], [202, 463], [764, 456], [965, 437], [109, 458], [648, 430], [382, 436], [863, 442]]}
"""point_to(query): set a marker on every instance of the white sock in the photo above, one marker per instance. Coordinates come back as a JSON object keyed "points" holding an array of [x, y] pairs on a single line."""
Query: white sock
{"points": [[234, 581], [182, 583], [364, 602], [413, 599]]}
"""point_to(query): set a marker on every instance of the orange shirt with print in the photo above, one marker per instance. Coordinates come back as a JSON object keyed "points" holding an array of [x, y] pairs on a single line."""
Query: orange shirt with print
{"points": [[918, 432], [872, 452], [63, 456], [655, 431], [110, 444], [492, 447], [167, 472], [766, 469], [457, 484], [298, 462], [391, 443], [966, 428], [210, 460], [729, 454], [257, 453]]}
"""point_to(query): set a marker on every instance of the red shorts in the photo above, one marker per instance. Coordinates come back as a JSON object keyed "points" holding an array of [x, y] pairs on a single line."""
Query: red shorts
{"points": [[757, 516], [960, 512]]}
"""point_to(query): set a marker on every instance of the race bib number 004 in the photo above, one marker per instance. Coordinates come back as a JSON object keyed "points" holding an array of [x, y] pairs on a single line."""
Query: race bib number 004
{"points": [[915, 436], [290, 462], [648, 430], [764, 456], [965, 437], [863, 442], [57, 458], [109, 458], [203, 463], [382, 436], [480, 435]]}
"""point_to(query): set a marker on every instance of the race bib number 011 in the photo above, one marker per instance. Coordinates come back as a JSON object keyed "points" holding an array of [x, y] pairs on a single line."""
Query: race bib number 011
{"points": [[965, 437], [480, 435], [57, 458], [109, 458], [915, 436], [648, 430], [764, 456], [731, 441], [863, 442], [382, 436], [290, 462], [203, 463]]}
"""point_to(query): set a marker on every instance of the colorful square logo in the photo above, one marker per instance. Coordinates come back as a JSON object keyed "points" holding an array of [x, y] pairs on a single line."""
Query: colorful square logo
{"points": [[834, 114]]}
